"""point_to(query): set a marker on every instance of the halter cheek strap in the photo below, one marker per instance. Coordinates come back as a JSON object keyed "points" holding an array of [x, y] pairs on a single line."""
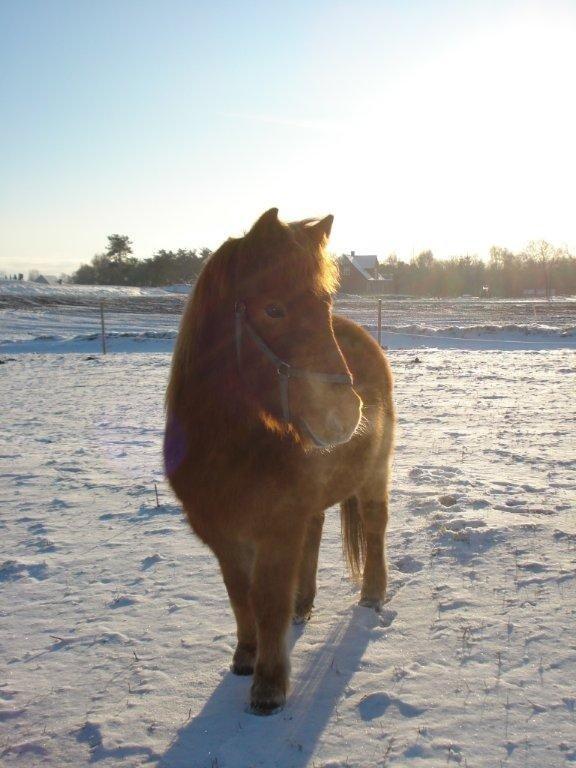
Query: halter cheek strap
{"points": [[284, 370]]}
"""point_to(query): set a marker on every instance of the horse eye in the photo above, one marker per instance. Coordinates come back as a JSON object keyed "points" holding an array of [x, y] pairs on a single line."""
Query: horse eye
{"points": [[275, 311]]}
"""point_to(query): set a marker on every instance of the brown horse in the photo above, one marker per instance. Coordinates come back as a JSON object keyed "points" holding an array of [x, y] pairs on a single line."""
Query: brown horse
{"points": [[276, 411]]}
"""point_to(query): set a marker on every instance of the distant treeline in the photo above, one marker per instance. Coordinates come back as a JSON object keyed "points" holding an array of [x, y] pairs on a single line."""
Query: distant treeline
{"points": [[117, 266], [541, 269]]}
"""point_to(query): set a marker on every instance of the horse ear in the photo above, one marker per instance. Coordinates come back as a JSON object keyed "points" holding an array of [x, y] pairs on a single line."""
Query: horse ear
{"points": [[319, 231], [268, 220]]}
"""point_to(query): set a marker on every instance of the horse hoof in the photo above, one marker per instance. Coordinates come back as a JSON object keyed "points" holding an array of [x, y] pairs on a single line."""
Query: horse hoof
{"points": [[265, 708], [303, 610], [243, 660], [268, 694], [367, 602]]}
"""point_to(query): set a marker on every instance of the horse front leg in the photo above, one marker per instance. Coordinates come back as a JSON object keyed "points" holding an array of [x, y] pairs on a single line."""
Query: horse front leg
{"points": [[236, 563], [272, 598], [306, 591]]}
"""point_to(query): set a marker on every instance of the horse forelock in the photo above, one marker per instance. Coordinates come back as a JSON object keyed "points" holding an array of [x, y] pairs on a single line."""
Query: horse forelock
{"points": [[285, 257], [320, 266]]}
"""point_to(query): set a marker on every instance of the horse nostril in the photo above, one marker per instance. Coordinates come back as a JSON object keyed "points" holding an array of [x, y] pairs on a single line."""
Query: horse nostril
{"points": [[334, 424]]}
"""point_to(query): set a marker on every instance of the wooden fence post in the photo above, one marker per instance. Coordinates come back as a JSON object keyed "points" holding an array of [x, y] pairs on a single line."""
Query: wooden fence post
{"points": [[103, 327]]}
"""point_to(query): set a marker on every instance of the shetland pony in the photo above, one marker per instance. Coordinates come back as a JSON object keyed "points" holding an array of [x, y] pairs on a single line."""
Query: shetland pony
{"points": [[276, 410]]}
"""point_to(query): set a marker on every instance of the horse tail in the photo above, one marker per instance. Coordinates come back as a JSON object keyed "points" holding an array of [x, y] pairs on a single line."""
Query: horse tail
{"points": [[353, 536]]}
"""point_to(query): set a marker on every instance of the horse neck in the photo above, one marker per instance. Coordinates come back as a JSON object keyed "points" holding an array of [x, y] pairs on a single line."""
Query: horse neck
{"points": [[213, 398]]}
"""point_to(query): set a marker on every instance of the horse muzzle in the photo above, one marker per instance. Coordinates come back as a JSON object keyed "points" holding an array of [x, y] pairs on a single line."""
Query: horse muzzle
{"points": [[337, 424]]}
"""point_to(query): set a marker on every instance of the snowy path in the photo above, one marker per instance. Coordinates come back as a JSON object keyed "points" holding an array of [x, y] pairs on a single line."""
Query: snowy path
{"points": [[116, 635]]}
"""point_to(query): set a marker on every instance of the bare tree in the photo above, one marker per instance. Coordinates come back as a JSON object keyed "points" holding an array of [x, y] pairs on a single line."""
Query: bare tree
{"points": [[544, 254]]}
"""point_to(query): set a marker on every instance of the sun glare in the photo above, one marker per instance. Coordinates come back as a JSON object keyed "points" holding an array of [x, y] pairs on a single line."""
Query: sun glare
{"points": [[472, 148]]}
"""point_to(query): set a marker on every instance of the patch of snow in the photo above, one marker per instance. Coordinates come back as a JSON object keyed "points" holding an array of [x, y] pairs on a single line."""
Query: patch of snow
{"points": [[140, 320], [31, 289], [117, 635]]}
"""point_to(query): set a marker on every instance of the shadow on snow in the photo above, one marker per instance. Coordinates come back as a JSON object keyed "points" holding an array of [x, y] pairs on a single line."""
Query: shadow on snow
{"points": [[225, 734]]}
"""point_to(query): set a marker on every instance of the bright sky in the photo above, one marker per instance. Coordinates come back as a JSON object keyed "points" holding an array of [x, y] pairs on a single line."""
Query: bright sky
{"points": [[442, 124]]}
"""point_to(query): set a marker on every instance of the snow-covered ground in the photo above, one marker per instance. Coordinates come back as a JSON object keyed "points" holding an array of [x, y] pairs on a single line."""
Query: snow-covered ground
{"points": [[67, 319], [31, 290], [73, 329], [115, 630]]}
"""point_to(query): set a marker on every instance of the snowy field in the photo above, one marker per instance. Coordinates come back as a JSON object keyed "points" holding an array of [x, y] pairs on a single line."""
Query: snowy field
{"points": [[31, 290], [67, 319], [115, 630]]}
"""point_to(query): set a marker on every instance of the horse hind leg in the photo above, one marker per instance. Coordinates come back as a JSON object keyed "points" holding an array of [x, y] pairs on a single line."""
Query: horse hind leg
{"points": [[364, 523], [306, 589], [236, 564], [374, 513]]}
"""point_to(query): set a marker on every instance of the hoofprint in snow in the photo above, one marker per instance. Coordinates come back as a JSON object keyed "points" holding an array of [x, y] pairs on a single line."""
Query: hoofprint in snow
{"points": [[117, 635]]}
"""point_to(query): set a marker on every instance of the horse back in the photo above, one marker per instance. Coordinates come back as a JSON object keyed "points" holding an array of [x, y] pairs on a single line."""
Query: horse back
{"points": [[367, 362]]}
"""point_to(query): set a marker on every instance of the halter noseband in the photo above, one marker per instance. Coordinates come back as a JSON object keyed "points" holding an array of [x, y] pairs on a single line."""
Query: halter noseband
{"points": [[284, 370]]}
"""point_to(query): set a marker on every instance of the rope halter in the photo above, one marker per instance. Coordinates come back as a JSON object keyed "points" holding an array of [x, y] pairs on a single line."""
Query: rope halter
{"points": [[284, 370]]}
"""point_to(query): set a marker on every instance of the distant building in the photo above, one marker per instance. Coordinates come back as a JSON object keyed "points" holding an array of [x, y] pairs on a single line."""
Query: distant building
{"points": [[47, 280], [360, 274]]}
